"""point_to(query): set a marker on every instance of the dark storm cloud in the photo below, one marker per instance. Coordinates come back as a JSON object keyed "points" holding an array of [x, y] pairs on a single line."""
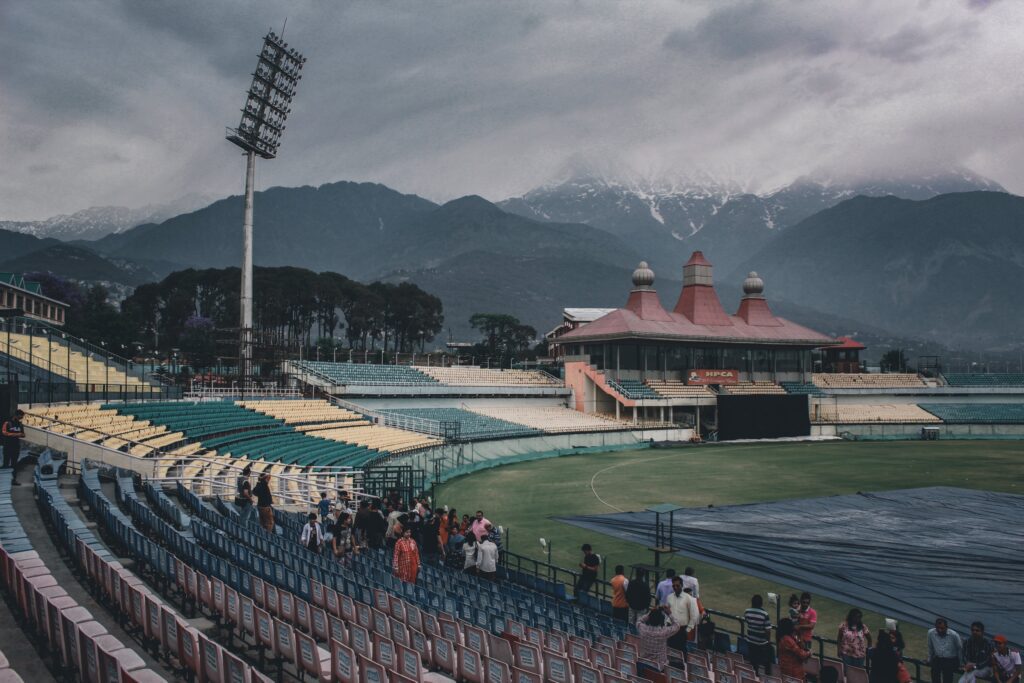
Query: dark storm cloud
{"points": [[125, 101], [752, 29]]}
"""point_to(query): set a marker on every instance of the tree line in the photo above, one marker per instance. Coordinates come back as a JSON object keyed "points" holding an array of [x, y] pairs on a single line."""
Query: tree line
{"points": [[195, 310]]}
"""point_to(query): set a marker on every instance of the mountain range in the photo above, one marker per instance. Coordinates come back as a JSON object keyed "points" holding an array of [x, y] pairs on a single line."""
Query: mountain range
{"points": [[831, 258], [665, 222], [97, 221]]}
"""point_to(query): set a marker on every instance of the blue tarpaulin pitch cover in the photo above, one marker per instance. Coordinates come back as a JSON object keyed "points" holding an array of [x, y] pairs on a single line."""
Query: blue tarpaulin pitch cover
{"points": [[910, 554]]}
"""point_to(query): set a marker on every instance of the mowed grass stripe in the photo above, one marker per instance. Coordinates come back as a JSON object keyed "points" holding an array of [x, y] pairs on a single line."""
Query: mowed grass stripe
{"points": [[524, 497]]}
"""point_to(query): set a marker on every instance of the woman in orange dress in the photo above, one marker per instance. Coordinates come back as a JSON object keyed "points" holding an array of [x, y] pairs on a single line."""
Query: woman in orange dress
{"points": [[791, 654], [407, 558]]}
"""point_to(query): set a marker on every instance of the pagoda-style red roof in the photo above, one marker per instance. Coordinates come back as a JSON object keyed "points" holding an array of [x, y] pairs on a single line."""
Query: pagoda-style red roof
{"points": [[698, 315], [848, 343]]}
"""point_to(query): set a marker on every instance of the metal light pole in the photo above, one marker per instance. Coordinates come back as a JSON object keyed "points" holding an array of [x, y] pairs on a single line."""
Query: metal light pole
{"points": [[259, 132]]}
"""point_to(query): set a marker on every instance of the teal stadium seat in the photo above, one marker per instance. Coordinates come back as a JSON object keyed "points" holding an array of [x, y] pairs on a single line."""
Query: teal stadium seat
{"points": [[368, 374], [802, 389], [994, 379], [977, 413], [634, 389], [229, 428], [471, 425]]}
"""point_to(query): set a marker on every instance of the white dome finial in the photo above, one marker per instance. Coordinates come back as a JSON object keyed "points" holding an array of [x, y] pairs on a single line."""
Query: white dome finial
{"points": [[643, 276]]}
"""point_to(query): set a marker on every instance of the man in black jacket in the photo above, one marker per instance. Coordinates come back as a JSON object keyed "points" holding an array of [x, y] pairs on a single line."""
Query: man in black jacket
{"points": [[265, 502]]}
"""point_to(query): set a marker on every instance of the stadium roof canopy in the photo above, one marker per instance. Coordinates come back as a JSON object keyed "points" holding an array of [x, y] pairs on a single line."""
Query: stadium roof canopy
{"points": [[910, 554], [698, 315]]}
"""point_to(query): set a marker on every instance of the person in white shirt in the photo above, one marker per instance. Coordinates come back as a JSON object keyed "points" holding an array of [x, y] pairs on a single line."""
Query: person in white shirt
{"points": [[664, 587], [690, 582], [487, 559], [469, 549], [312, 534], [685, 612]]}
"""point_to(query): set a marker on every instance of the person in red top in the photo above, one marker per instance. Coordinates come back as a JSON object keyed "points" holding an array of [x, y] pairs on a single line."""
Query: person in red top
{"points": [[791, 652], [619, 582], [407, 558], [806, 619]]}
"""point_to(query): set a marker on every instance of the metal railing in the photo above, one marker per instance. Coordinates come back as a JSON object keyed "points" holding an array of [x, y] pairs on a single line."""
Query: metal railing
{"points": [[34, 361], [45, 392], [199, 390], [212, 476], [423, 425], [30, 326]]}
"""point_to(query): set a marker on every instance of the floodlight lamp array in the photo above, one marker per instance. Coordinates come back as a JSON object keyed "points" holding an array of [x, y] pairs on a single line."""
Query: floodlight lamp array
{"points": [[268, 101]]}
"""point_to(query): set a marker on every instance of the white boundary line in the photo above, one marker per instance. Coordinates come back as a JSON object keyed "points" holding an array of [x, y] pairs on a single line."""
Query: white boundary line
{"points": [[621, 464]]}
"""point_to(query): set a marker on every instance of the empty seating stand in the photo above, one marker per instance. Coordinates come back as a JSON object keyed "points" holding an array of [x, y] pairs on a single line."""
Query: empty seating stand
{"points": [[757, 387], [551, 419], [232, 429], [977, 413], [367, 374], [993, 379], [633, 389], [857, 413], [82, 648], [461, 376], [863, 380], [802, 388], [471, 425], [679, 389]]}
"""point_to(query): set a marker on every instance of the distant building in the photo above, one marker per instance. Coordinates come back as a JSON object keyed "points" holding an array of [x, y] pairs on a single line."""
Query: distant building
{"points": [[843, 358], [651, 361], [573, 319], [642, 340], [17, 292]]}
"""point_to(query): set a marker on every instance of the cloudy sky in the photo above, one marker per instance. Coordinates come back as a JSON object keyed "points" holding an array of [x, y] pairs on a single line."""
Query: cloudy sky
{"points": [[125, 102]]}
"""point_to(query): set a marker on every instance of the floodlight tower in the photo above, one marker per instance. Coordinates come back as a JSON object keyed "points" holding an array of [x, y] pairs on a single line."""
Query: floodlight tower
{"points": [[266, 107]]}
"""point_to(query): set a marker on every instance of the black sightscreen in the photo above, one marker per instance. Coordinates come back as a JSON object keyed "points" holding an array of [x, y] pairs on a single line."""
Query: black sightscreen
{"points": [[762, 417]]}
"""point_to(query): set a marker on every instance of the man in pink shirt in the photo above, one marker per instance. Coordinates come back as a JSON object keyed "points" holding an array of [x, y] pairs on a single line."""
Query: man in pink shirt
{"points": [[806, 619], [479, 526]]}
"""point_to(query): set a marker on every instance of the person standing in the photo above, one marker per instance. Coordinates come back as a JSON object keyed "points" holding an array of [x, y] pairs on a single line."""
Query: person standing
{"points": [[791, 652], [478, 528], [977, 655], [807, 619], [1005, 662], [323, 507], [487, 559], [265, 502], [378, 526], [406, 558], [885, 662], [13, 432], [638, 596], [685, 612], [588, 570], [341, 538], [664, 587], [944, 651], [312, 537], [469, 553], [691, 583], [243, 496], [853, 639], [619, 582], [758, 627], [655, 630], [431, 539]]}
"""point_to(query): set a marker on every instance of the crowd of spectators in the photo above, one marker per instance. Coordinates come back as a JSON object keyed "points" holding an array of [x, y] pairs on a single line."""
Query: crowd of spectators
{"points": [[671, 618]]}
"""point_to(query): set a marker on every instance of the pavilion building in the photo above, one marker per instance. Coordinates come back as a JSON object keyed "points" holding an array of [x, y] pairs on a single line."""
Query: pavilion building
{"points": [[644, 357]]}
